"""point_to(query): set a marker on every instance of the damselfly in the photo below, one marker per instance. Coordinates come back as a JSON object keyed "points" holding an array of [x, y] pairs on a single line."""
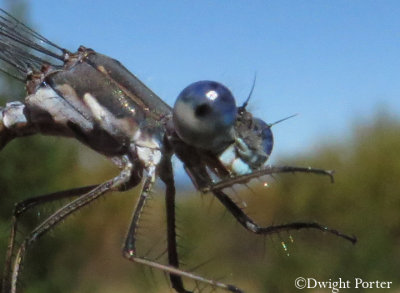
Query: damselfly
{"points": [[96, 100]]}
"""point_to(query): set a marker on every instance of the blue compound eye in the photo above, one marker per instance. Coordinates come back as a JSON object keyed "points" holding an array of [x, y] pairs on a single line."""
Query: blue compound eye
{"points": [[204, 115], [265, 133]]}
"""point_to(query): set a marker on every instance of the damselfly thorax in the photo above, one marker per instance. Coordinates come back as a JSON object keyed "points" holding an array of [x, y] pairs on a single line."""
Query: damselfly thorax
{"points": [[96, 100]]}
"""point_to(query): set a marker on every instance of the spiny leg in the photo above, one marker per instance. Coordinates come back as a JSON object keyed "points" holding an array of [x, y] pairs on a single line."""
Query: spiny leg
{"points": [[201, 179], [23, 206], [269, 170], [64, 212], [166, 174], [129, 250], [250, 225]]}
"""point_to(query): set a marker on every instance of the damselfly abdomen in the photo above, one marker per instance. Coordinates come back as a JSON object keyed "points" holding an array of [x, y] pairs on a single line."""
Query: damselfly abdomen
{"points": [[96, 100]]}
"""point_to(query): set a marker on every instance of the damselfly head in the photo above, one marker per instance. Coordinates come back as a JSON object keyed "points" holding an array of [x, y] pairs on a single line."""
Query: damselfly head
{"points": [[205, 116]]}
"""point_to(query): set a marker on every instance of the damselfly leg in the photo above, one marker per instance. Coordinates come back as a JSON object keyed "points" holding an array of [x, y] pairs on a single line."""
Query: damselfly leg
{"points": [[201, 179], [60, 215], [23, 207], [173, 268]]}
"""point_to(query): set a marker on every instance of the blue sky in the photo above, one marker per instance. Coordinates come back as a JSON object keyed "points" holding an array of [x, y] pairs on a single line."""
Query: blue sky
{"points": [[332, 62]]}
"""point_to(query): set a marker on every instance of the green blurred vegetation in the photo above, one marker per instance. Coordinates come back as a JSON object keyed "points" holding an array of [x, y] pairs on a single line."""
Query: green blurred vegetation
{"points": [[84, 253]]}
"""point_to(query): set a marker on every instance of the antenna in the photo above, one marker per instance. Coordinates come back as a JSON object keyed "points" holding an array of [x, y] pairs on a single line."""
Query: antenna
{"points": [[243, 107], [281, 120]]}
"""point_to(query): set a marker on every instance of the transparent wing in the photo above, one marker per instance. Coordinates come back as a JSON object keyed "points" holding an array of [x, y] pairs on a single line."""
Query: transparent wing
{"points": [[22, 50]]}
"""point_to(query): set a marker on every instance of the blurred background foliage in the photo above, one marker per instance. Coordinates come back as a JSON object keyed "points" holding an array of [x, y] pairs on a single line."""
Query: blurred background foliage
{"points": [[84, 253]]}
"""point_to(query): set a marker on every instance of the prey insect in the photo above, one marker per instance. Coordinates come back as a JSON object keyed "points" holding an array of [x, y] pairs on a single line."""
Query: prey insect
{"points": [[92, 98]]}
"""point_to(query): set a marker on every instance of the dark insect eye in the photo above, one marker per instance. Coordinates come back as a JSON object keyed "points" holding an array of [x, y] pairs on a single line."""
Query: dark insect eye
{"points": [[204, 115], [265, 134]]}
